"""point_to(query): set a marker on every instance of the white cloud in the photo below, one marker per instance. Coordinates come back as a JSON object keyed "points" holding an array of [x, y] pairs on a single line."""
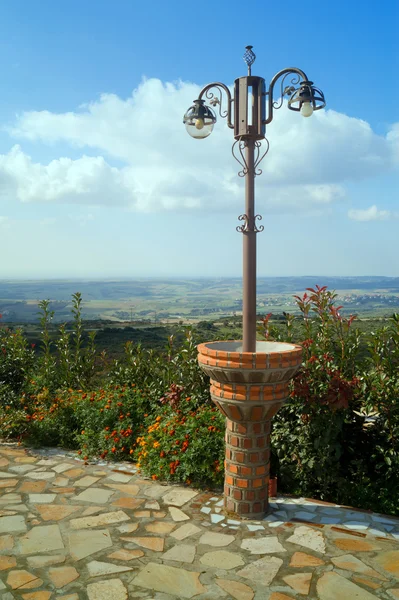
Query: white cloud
{"points": [[369, 214], [159, 167]]}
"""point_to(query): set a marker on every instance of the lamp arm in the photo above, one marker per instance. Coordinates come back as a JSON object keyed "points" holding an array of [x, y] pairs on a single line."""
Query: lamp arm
{"points": [[216, 98], [275, 104]]}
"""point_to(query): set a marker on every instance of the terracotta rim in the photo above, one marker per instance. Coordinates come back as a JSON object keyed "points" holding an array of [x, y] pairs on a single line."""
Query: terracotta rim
{"points": [[207, 351]]}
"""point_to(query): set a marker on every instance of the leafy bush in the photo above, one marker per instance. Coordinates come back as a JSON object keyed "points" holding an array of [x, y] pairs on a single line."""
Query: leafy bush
{"points": [[323, 440], [183, 445], [16, 363], [337, 437]]}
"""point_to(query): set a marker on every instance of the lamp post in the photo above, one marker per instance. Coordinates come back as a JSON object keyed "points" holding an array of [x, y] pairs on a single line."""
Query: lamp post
{"points": [[249, 379], [253, 107]]}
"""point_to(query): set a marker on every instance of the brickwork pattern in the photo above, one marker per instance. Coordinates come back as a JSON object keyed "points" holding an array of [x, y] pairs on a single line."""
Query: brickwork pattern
{"points": [[248, 388]]}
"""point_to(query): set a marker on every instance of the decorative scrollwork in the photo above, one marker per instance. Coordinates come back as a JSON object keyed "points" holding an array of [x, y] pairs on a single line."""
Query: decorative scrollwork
{"points": [[215, 98], [258, 156], [249, 225], [285, 90], [237, 151]]}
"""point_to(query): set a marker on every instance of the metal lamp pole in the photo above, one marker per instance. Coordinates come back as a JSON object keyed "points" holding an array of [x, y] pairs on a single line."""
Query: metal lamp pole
{"points": [[253, 108]]}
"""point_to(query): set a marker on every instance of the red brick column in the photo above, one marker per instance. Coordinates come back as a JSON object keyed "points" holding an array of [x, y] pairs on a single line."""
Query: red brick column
{"points": [[247, 468], [248, 388]]}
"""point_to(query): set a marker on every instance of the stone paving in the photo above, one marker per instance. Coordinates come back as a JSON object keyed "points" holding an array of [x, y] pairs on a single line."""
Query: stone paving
{"points": [[76, 531]]}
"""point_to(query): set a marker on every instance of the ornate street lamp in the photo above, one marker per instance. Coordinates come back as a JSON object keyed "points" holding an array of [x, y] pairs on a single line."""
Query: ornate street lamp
{"points": [[249, 379]]}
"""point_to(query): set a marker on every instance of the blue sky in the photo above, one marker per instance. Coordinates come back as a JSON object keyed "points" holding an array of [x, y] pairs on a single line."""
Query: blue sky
{"points": [[98, 177]]}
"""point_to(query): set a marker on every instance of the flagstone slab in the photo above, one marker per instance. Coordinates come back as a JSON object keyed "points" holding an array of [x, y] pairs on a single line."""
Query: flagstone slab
{"points": [[156, 490], [170, 580], [97, 568], [6, 475], [280, 596], [221, 559], [153, 505], [15, 523], [9, 498], [73, 473], [21, 469], [41, 475], [177, 514], [308, 537], [300, 582], [329, 583], [363, 580], [107, 590], [128, 527], [179, 496], [185, 531], [17, 508], [389, 561], [37, 596], [6, 542], [128, 489], [8, 483], [7, 562], [12, 452], [216, 539], [22, 580], [394, 593], [127, 554], [120, 477], [4, 462], [84, 543], [42, 498], [128, 502], [236, 589], [354, 545], [86, 481], [38, 562], [262, 571], [151, 543], [142, 514], [60, 481], [95, 495], [301, 559], [180, 553], [160, 527], [42, 538], [348, 562], [33, 487], [266, 545], [55, 512], [91, 510], [61, 576], [25, 459], [98, 520], [62, 467]]}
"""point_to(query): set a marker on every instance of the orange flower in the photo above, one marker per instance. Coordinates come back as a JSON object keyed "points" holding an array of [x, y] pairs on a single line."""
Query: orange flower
{"points": [[154, 477]]}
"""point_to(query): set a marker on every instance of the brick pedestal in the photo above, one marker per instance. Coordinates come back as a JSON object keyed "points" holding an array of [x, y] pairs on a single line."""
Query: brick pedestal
{"points": [[248, 388], [247, 468]]}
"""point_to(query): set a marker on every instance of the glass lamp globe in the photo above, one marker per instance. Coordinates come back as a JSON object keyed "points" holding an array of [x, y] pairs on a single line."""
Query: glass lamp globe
{"points": [[306, 109], [199, 120]]}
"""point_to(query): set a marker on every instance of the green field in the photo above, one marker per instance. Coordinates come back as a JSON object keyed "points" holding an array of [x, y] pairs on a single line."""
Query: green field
{"points": [[187, 300]]}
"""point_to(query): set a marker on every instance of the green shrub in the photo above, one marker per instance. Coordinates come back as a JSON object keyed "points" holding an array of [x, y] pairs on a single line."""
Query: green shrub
{"points": [[183, 446], [16, 364]]}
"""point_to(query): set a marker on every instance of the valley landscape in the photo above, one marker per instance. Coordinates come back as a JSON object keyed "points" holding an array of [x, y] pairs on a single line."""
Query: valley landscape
{"points": [[187, 300]]}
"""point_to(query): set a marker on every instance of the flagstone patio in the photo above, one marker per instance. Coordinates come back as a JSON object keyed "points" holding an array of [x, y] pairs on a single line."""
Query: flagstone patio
{"points": [[96, 531]]}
